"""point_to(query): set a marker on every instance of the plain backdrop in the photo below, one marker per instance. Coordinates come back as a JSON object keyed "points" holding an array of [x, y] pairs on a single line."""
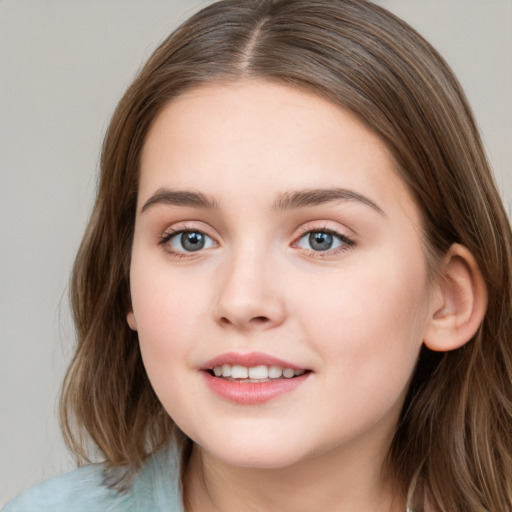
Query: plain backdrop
{"points": [[63, 66]]}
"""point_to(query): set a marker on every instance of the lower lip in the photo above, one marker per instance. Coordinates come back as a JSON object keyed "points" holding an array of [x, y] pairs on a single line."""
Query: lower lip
{"points": [[251, 393]]}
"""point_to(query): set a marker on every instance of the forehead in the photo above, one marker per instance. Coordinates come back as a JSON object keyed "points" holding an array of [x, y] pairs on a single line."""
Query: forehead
{"points": [[245, 136]]}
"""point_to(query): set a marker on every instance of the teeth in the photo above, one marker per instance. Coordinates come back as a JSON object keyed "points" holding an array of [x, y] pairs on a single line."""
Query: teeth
{"points": [[274, 372], [255, 373], [258, 372], [239, 372], [288, 373]]}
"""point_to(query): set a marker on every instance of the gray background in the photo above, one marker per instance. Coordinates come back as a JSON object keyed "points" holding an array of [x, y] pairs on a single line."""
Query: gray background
{"points": [[63, 66]]}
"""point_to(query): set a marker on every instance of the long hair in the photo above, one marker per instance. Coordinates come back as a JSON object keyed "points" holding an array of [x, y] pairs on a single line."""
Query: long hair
{"points": [[453, 445]]}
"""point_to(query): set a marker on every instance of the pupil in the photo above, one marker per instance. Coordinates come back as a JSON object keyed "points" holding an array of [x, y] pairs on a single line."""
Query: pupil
{"points": [[320, 241], [192, 241]]}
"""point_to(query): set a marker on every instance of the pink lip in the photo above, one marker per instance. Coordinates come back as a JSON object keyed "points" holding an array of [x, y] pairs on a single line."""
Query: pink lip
{"points": [[249, 360], [251, 393]]}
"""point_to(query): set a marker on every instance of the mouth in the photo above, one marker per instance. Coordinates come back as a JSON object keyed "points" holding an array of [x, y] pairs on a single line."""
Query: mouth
{"points": [[254, 374], [252, 379]]}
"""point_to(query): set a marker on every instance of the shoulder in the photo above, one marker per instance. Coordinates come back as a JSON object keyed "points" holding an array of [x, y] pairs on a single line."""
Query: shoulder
{"points": [[84, 490], [79, 490]]}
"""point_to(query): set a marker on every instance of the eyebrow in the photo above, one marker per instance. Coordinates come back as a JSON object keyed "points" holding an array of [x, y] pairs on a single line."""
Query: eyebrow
{"points": [[286, 201], [315, 197], [188, 198]]}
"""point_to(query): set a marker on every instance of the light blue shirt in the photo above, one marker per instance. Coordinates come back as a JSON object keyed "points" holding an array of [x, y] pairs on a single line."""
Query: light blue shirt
{"points": [[155, 489]]}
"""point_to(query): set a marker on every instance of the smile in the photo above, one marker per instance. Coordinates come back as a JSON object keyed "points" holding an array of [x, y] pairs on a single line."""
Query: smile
{"points": [[251, 379], [255, 374]]}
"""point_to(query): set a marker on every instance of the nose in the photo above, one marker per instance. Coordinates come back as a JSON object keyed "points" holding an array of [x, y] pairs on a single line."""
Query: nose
{"points": [[249, 297]]}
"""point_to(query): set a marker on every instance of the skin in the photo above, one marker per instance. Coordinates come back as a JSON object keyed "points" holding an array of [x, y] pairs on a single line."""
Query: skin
{"points": [[354, 316]]}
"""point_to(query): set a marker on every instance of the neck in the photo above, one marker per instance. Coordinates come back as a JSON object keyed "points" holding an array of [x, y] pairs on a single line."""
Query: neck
{"points": [[327, 482]]}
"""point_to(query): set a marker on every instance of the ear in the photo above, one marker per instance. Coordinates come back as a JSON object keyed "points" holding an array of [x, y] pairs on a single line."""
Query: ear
{"points": [[130, 318], [460, 302]]}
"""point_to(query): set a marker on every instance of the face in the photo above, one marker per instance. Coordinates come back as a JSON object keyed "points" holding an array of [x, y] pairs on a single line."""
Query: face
{"points": [[278, 279]]}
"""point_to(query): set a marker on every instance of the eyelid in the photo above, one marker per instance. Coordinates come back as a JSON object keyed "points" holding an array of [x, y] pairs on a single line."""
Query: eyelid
{"points": [[180, 227], [325, 227], [175, 230]]}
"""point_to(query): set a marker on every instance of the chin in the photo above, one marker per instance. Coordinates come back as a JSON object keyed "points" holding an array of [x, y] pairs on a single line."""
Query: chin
{"points": [[262, 453], [257, 460]]}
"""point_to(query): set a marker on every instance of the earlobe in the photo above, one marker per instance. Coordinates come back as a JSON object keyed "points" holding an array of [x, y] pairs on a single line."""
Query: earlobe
{"points": [[462, 302], [130, 318]]}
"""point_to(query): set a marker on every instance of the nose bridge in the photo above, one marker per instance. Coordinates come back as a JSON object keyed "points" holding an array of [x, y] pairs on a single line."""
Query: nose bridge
{"points": [[247, 295]]}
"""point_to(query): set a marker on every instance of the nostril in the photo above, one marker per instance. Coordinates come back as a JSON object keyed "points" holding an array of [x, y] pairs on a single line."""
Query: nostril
{"points": [[254, 321], [259, 319]]}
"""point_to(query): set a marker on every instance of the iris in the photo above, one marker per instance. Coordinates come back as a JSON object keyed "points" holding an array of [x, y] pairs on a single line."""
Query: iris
{"points": [[320, 240]]}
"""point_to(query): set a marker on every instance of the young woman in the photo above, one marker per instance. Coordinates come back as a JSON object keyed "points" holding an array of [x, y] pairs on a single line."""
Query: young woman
{"points": [[294, 292]]}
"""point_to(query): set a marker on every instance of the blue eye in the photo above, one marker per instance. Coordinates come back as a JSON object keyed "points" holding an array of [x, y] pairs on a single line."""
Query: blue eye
{"points": [[189, 241], [321, 241]]}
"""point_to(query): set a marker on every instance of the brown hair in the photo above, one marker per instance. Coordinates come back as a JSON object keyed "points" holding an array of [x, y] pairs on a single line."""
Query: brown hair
{"points": [[453, 445]]}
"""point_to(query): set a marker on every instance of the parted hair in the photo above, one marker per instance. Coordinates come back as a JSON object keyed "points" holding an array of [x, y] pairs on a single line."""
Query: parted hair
{"points": [[453, 445]]}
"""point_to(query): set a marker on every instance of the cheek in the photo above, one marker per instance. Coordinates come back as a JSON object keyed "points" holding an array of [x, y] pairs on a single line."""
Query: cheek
{"points": [[370, 318], [167, 311], [167, 317], [368, 334]]}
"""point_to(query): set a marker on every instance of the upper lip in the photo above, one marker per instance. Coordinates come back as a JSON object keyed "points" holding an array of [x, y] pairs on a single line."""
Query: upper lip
{"points": [[248, 360]]}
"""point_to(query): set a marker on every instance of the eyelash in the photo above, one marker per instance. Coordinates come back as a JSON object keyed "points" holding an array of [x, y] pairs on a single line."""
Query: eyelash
{"points": [[345, 241], [172, 233]]}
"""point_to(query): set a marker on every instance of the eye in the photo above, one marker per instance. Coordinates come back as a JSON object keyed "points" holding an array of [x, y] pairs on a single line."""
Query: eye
{"points": [[188, 241], [323, 240]]}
